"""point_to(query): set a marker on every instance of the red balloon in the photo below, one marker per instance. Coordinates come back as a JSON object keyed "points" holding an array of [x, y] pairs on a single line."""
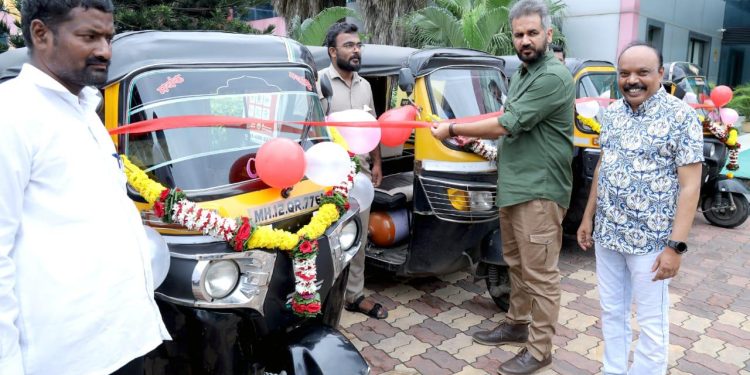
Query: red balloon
{"points": [[280, 163], [721, 95], [393, 136]]}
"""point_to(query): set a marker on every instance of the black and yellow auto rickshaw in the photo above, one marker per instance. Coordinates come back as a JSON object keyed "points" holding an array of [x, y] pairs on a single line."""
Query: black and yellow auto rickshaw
{"points": [[229, 312], [596, 80], [434, 212], [723, 200]]}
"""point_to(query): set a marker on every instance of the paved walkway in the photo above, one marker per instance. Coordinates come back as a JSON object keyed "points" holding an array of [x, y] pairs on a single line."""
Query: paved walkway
{"points": [[430, 323]]}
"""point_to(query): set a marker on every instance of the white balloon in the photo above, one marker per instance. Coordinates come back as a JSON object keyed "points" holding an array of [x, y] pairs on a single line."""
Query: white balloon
{"points": [[690, 98], [159, 251], [327, 164], [363, 191], [588, 109]]}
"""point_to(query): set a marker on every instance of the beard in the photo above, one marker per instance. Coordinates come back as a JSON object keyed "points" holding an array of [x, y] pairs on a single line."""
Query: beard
{"points": [[90, 75], [536, 56], [347, 65]]}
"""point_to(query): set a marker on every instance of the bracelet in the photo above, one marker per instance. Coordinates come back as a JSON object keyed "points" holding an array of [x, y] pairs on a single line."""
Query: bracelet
{"points": [[450, 129]]}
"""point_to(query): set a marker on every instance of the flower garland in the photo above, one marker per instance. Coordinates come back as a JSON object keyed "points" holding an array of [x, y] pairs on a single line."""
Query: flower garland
{"points": [[728, 135], [172, 206], [488, 152], [591, 123]]}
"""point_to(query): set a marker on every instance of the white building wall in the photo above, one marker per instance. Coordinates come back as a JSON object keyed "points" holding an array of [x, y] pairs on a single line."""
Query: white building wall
{"points": [[592, 27]]}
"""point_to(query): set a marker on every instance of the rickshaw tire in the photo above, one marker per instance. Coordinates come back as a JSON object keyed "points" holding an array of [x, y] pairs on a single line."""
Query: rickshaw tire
{"points": [[727, 221], [498, 285]]}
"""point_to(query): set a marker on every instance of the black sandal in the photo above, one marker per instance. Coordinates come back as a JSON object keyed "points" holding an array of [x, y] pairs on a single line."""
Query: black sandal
{"points": [[374, 311]]}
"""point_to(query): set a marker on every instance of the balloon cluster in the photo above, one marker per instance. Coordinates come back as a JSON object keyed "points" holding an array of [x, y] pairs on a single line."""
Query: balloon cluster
{"points": [[282, 162], [721, 121]]}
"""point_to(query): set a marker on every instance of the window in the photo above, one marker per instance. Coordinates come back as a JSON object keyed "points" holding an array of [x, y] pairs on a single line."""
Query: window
{"points": [[699, 47], [655, 35]]}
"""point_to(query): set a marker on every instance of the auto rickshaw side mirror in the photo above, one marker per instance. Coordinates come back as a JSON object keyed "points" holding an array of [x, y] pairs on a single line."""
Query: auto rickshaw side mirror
{"points": [[406, 80], [326, 90]]}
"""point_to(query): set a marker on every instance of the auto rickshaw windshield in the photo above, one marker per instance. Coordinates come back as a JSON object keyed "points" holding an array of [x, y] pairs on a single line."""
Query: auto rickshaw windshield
{"points": [[597, 85], [207, 157], [463, 92]]}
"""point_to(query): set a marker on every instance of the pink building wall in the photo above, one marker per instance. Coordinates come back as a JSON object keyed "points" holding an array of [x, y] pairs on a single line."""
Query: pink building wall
{"points": [[280, 29], [629, 10]]}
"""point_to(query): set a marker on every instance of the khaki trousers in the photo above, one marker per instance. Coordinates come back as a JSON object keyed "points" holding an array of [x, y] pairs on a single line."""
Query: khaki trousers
{"points": [[356, 284], [532, 238]]}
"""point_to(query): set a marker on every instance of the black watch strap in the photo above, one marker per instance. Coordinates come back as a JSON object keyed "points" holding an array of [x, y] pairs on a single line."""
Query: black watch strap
{"points": [[678, 246]]}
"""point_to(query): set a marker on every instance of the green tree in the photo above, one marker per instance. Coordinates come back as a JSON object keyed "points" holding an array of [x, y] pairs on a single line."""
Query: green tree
{"points": [[303, 9], [184, 15], [379, 17], [741, 101], [312, 31], [477, 24]]}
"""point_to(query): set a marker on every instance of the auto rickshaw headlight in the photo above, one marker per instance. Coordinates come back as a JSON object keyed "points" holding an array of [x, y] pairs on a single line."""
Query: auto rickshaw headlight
{"points": [[348, 236], [482, 200], [459, 199], [709, 150], [221, 278]]}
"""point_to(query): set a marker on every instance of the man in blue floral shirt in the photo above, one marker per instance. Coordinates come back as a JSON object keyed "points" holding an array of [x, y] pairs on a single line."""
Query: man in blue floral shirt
{"points": [[645, 191]]}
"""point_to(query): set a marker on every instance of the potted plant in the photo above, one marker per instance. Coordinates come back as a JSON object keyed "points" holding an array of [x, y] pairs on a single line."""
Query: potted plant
{"points": [[741, 103]]}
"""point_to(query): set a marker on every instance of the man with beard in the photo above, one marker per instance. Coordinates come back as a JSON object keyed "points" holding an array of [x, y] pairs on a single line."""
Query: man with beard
{"points": [[652, 144], [534, 185], [350, 91], [76, 294]]}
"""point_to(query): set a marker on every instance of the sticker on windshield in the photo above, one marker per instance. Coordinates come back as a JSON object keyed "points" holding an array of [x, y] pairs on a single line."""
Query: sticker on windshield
{"points": [[699, 81], [301, 80], [171, 83]]}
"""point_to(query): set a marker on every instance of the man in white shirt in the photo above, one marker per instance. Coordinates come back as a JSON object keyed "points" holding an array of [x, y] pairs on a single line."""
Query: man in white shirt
{"points": [[76, 294]]}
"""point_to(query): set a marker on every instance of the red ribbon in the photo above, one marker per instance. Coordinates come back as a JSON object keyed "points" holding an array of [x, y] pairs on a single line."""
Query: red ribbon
{"points": [[178, 122]]}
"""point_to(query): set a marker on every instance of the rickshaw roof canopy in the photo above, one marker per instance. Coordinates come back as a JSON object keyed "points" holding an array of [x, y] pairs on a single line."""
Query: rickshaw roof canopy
{"points": [[382, 60], [677, 70], [133, 51], [574, 65]]}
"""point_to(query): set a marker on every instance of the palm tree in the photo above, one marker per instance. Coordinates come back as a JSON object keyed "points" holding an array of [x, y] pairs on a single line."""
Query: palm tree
{"points": [[477, 24], [303, 9], [312, 31], [379, 17]]}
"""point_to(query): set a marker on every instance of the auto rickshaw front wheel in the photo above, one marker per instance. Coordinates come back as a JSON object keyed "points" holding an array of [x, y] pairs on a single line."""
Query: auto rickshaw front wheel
{"points": [[719, 210], [498, 285]]}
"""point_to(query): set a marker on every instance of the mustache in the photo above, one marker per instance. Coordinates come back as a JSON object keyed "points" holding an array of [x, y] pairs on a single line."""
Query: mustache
{"points": [[628, 87], [355, 56], [97, 60]]}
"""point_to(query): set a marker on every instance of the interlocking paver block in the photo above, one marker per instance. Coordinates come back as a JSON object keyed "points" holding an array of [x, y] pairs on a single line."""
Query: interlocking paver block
{"points": [[567, 297], [582, 344], [468, 370], [416, 348], [390, 344], [675, 352], [402, 293], [449, 316], [455, 344], [678, 316], [408, 321], [696, 323], [708, 345], [379, 359], [453, 277], [444, 359], [499, 317], [711, 363], [581, 322], [586, 276], [459, 319], [471, 353], [349, 319], [402, 370], [426, 366], [565, 315], [453, 294], [733, 318], [735, 355]]}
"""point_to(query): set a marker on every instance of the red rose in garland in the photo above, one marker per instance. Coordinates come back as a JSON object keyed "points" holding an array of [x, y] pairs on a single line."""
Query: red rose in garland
{"points": [[243, 233], [159, 209]]}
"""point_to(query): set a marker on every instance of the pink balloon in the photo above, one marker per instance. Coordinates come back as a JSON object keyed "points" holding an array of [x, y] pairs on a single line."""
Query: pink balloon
{"points": [[729, 116], [360, 140], [280, 163], [721, 95]]}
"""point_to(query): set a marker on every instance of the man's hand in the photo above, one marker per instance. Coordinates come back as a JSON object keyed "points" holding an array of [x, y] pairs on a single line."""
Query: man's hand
{"points": [[585, 230], [465, 141], [440, 130], [666, 265], [377, 174]]}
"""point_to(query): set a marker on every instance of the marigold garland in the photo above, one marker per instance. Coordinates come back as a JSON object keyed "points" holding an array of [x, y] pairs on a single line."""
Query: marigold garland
{"points": [[591, 123], [172, 206]]}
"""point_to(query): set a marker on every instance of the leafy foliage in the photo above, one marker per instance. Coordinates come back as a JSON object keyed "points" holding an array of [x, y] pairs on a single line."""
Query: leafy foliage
{"points": [[13, 40], [477, 24], [741, 101], [184, 15], [312, 31]]}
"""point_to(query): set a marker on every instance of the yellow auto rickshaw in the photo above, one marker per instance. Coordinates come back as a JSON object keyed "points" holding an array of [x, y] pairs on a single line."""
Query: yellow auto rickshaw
{"points": [[434, 212], [229, 312]]}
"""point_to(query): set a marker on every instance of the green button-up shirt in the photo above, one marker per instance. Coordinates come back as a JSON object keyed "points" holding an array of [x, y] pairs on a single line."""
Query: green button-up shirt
{"points": [[536, 156]]}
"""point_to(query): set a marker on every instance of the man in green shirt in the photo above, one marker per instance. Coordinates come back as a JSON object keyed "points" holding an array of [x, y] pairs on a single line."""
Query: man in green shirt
{"points": [[533, 189]]}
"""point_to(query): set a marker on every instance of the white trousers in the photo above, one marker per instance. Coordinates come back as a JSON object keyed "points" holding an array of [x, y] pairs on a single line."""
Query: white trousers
{"points": [[622, 279]]}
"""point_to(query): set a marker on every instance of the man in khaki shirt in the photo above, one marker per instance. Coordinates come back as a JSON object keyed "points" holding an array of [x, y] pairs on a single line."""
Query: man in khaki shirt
{"points": [[350, 91]]}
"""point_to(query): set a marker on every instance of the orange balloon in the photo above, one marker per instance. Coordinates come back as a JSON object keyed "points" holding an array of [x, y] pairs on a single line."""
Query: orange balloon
{"points": [[721, 95], [280, 163], [393, 136]]}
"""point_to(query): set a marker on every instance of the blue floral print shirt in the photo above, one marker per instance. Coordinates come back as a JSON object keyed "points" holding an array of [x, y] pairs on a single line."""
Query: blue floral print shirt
{"points": [[637, 185]]}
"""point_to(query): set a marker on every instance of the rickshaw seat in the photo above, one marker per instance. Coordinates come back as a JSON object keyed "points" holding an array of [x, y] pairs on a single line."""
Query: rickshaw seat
{"points": [[395, 191]]}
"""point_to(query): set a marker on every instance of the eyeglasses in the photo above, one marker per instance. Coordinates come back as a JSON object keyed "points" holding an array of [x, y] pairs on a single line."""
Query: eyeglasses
{"points": [[352, 45]]}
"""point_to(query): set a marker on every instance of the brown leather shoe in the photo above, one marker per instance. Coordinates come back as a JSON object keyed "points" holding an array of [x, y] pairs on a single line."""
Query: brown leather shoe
{"points": [[524, 364], [505, 333]]}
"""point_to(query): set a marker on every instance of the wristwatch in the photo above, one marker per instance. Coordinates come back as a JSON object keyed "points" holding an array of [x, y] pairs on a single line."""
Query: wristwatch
{"points": [[450, 129], [678, 246]]}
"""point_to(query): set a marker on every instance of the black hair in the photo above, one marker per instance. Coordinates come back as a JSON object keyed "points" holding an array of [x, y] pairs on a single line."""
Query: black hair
{"points": [[639, 43], [557, 48], [54, 12], [338, 28]]}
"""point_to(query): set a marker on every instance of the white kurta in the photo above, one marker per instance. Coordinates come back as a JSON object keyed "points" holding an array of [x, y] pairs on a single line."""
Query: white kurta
{"points": [[76, 293]]}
